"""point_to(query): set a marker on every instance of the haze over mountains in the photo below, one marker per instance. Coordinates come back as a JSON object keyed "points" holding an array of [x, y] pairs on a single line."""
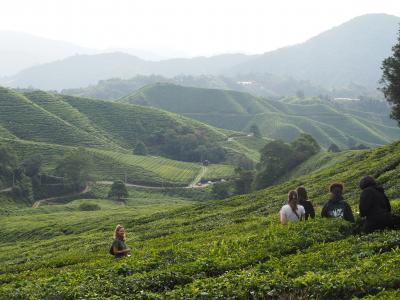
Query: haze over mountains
{"points": [[349, 53]]}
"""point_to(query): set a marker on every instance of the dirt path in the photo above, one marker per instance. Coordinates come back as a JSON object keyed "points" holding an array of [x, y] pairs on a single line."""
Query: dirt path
{"points": [[43, 201], [197, 179], [6, 190]]}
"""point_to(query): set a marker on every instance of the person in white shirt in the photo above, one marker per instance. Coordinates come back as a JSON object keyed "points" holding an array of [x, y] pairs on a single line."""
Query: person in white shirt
{"points": [[292, 212]]}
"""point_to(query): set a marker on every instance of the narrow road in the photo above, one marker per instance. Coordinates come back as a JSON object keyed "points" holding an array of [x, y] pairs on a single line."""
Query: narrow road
{"points": [[6, 190], [43, 201], [104, 182], [198, 178]]}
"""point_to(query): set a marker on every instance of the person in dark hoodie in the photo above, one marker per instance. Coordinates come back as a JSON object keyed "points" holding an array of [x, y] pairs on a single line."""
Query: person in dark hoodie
{"points": [[303, 201], [374, 206], [337, 207]]}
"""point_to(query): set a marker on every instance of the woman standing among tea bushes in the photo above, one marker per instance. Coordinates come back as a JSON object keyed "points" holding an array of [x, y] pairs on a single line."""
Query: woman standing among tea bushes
{"points": [[292, 211], [118, 247]]}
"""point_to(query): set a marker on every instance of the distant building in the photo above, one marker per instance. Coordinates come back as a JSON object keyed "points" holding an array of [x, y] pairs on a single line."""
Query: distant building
{"points": [[346, 99], [244, 82]]}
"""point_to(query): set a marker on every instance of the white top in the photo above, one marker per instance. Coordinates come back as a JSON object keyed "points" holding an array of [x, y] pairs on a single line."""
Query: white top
{"points": [[287, 211]]}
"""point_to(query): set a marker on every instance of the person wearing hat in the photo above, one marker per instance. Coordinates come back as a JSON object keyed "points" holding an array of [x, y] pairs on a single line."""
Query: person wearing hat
{"points": [[337, 207]]}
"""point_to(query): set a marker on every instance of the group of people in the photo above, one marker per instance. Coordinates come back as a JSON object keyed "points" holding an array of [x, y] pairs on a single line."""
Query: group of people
{"points": [[374, 206]]}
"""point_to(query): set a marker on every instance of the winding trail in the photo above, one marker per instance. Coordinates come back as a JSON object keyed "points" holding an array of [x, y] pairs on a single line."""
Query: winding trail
{"points": [[37, 203], [192, 185], [6, 190], [197, 179]]}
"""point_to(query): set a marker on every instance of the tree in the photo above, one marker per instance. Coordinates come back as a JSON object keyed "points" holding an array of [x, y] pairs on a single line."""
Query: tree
{"points": [[31, 166], [244, 162], [255, 130], [243, 181], [304, 147], [23, 189], [278, 158], [140, 149], [220, 190], [8, 164], [334, 148], [390, 80], [118, 191], [76, 167]]}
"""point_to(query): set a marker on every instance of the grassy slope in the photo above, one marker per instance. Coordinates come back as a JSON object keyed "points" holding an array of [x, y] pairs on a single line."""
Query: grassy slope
{"points": [[54, 123], [111, 165], [276, 119], [27, 120], [216, 250]]}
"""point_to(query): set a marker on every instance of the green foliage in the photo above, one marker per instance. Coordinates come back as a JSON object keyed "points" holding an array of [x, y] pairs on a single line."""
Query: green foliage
{"points": [[221, 190], [89, 207], [334, 148], [140, 149], [76, 167], [391, 79], [226, 249], [255, 130], [243, 181], [327, 121], [23, 189], [32, 166], [279, 158], [8, 164], [118, 191]]}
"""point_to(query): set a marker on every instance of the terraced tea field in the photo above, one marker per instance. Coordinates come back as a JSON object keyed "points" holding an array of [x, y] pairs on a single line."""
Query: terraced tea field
{"points": [[227, 249]]}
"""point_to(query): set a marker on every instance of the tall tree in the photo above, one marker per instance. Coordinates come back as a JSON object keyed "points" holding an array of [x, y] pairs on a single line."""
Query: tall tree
{"points": [[140, 149], [118, 191], [8, 164], [76, 167], [391, 80], [255, 130]]}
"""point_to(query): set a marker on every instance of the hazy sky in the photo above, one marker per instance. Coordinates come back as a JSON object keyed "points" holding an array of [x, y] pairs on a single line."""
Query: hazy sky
{"points": [[192, 27]]}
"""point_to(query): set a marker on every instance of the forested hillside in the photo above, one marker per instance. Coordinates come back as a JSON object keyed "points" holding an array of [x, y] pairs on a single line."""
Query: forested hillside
{"points": [[344, 123], [230, 248]]}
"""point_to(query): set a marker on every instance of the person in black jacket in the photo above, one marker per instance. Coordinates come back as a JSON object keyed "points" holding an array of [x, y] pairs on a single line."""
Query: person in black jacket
{"points": [[374, 206], [303, 201], [337, 207]]}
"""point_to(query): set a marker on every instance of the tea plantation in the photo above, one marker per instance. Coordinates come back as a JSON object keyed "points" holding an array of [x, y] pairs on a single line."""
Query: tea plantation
{"points": [[228, 249], [327, 121]]}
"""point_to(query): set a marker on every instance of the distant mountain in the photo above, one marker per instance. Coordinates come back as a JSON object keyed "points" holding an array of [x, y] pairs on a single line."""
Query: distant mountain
{"points": [[20, 50], [339, 122], [352, 52], [92, 68]]}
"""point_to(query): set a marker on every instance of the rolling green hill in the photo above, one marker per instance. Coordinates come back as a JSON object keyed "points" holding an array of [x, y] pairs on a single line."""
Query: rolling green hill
{"points": [[51, 125], [227, 249], [329, 122]]}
